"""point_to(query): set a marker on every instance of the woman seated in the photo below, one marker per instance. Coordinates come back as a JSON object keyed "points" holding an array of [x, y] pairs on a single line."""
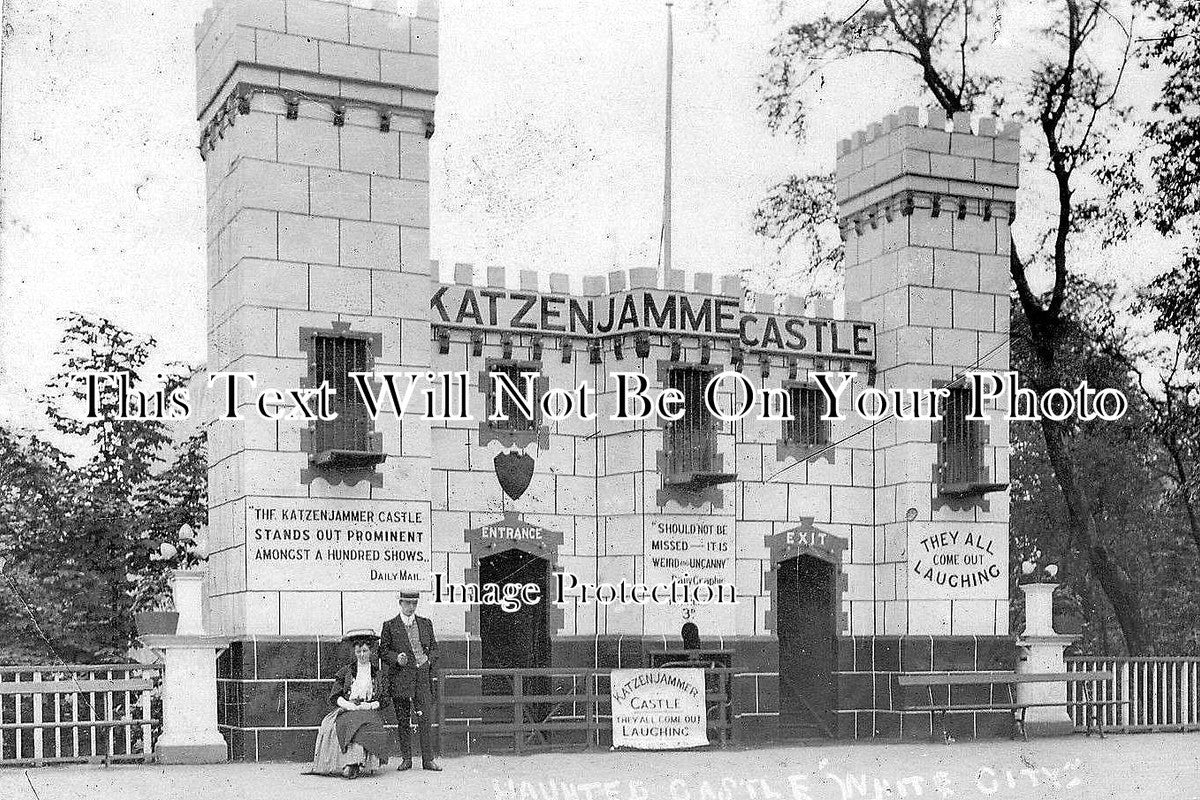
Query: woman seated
{"points": [[352, 739]]}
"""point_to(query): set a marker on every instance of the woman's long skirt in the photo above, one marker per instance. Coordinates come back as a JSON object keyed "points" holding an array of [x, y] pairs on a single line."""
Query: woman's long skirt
{"points": [[329, 758]]}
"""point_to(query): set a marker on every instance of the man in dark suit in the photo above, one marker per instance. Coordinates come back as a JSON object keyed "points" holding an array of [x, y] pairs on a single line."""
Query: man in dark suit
{"points": [[407, 645]]}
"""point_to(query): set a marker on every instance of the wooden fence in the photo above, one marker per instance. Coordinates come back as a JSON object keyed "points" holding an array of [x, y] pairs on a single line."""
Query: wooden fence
{"points": [[79, 712], [523, 710], [1163, 693]]}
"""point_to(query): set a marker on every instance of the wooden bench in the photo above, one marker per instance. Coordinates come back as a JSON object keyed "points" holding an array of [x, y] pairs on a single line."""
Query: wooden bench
{"points": [[1008, 700]]}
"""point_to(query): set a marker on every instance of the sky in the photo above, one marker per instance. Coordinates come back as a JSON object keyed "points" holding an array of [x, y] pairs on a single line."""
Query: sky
{"points": [[548, 152]]}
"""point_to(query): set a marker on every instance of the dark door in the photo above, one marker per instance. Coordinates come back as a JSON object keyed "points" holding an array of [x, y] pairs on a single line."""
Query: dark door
{"points": [[516, 639], [807, 647]]}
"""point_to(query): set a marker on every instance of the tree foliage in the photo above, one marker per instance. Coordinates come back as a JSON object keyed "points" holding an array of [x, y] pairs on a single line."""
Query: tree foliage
{"points": [[801, 211], [1070, 100], [1169, 375], [937, 38], [82, 536], [1175, 131], [1128, 472]]}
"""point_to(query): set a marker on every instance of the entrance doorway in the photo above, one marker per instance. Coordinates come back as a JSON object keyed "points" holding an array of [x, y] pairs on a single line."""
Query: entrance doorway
{"points": [[519, 639], [806, 624]]}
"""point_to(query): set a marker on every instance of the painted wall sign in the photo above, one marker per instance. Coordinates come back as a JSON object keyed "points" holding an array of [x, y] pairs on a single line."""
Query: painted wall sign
{"points": [[695, 550], [511, 531], [337, 545], [650, 310], [957, 560], [807, 539], [658, 709]]}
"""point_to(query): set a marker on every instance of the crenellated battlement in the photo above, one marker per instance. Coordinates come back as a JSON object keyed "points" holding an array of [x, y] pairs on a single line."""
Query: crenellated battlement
{"points": [[985, 131], [528, 280], [910, 155], [616, 281], [351, 53], [273, 15]]}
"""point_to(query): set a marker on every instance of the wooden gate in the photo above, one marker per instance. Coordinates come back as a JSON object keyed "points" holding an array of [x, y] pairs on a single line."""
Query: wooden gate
{"points": [[570, 707]]}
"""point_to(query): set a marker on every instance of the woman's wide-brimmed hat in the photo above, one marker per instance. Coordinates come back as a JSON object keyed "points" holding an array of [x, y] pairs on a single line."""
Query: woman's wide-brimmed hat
{"points": [[358, 635]]}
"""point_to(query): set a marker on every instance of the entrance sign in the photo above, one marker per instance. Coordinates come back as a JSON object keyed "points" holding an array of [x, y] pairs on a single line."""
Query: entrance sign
{"points": [[513, 531], [337, 545], [658, 709], [957, 560]]}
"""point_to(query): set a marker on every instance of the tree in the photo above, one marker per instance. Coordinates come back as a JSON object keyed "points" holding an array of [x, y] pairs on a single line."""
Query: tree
{"points": [[1170, 393], [1169, 374], [1175, 133], [1071, 98], [1129, 479], [178, 501], [86, 531], [35, 484]]}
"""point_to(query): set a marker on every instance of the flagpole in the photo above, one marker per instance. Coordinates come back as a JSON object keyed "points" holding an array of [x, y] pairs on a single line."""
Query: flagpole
{"points": [[666, 232]]}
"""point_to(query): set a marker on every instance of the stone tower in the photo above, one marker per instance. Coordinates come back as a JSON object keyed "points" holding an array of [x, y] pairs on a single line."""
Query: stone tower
{"points": [[315, 118], [925, 209]]}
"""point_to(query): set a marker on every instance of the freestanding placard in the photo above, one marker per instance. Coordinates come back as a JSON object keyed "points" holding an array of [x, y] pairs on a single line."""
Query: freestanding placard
{"points": [[658, 709]]}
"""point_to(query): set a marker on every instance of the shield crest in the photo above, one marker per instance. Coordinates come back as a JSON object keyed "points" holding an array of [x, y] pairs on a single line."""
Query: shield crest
{"points": [[514, 471]]}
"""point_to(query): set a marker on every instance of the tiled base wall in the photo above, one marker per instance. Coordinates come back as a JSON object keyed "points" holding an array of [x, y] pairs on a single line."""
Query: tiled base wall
{"points": [[870, 702], [272, 693]]}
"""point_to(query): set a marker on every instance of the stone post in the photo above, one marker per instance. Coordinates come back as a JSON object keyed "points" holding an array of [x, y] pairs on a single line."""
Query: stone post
{"points": [[1042, 652], [189, 687]]}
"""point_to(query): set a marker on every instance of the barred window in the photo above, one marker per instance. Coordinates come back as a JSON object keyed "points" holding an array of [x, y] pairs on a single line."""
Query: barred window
{"points": [[806, 428], [517, 420], [961, 447], [332, 359], [691, 439]]}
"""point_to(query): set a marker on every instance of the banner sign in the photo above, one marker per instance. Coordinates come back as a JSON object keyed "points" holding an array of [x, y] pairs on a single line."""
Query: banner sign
{"points": [[658, 709], [650, 310], [957, 560], [337, 545]]}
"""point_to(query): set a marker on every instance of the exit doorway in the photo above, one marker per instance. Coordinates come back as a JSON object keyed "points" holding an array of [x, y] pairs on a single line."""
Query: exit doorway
{"points": [[806, 625]]}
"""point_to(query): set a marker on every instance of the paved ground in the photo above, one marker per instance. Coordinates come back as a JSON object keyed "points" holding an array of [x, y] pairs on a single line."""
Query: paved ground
{"points": [[1132, 766]]}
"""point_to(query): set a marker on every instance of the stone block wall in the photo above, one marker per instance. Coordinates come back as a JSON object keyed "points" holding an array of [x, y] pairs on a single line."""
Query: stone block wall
{"points": [[599, 483]]}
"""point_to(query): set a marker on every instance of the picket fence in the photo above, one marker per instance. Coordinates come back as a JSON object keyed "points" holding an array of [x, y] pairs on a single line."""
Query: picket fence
{"points": [[112, 712], [79, 712], [1161, 693]]}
